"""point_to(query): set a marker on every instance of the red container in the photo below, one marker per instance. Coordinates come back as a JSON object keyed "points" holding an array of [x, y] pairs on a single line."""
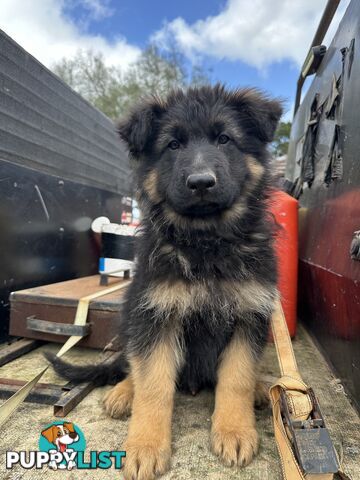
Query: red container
{"points": [[285, 210]]}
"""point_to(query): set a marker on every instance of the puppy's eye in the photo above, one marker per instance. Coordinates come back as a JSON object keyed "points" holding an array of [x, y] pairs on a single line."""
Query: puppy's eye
{"points": [[174, 145], [223, 139]]}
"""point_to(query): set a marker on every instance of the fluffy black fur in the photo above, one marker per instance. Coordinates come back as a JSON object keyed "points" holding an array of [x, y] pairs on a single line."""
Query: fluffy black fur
{"points": [[204, 238], [98, 374]]}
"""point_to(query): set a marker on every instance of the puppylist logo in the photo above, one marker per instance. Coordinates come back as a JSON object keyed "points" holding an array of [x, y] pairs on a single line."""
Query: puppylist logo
{"points": [[62, 447]]}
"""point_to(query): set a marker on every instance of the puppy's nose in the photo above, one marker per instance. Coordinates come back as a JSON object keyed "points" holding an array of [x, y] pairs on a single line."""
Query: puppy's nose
{"points": [[200, 181]]}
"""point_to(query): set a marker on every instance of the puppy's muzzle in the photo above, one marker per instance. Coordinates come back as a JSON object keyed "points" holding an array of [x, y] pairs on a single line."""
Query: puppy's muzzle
{"points": [[200, 182]]}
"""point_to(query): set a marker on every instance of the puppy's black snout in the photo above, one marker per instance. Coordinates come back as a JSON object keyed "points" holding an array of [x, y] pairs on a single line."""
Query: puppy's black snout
{"points": [[73, 435], [200, 181]]}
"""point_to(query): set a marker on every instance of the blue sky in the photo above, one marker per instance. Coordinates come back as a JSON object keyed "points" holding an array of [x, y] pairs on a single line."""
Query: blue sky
{"points": [[137, 20], [244, 42]]}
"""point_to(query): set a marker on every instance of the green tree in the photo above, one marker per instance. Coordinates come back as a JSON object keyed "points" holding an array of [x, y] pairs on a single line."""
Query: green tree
{"points": [[281, 140], [113, 91]]}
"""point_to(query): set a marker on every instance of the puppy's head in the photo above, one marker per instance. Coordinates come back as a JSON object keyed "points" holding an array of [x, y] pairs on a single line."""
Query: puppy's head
{"points": [[202, 152], [61, 435]]}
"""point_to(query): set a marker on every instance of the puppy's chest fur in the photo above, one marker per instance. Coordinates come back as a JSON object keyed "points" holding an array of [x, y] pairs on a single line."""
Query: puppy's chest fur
{"points": [[217, 299], [218, 284]]}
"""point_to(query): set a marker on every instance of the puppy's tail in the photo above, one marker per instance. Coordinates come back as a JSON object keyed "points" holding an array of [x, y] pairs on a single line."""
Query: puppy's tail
{"points": [[100, 374]]}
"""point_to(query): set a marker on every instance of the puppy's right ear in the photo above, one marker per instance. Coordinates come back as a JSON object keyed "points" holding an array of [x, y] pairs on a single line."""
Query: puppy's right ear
{"points": [[139, 127]]}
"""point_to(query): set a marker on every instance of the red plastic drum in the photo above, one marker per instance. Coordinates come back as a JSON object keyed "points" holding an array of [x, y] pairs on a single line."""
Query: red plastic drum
{"points": [[285, 210]]}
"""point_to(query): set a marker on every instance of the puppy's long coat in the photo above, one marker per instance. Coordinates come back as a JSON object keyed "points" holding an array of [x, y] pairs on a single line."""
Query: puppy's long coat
{"points": [[197, 311]]}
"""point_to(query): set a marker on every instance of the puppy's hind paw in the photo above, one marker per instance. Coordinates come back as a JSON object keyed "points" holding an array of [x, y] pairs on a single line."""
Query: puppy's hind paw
{"points": [[118, 401]]}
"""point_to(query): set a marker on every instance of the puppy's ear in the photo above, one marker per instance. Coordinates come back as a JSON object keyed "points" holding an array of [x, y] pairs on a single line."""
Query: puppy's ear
{"points": [[259, 114], [139, 127], [50, 433], [69, 426]]}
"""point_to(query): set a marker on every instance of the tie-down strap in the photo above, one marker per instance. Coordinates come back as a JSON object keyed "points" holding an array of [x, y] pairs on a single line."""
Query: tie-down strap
{"points": [[304, 445]]}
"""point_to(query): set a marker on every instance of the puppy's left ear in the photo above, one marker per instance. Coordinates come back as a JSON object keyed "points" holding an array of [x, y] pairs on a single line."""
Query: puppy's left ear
{"points": [[50, 434], [259, 114], [139, 127]]}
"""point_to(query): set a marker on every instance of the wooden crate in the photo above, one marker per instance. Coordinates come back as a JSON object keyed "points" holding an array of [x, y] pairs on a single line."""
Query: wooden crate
{"points": [[58, 302]]}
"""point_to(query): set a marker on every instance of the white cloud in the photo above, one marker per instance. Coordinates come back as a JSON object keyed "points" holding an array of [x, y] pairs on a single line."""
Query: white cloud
{"points": [[98, 9], [257, 32], [43, 29]]}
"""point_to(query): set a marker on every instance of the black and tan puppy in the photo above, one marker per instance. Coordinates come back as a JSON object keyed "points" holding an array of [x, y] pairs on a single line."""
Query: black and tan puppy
{"points": [[198, 309]]}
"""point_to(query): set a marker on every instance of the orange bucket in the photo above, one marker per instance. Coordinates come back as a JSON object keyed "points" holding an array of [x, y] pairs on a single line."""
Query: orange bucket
{"points": [[285, 210]]}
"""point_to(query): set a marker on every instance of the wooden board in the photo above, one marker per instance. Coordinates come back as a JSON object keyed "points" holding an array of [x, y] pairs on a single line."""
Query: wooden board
{"points": [[58, 302]]}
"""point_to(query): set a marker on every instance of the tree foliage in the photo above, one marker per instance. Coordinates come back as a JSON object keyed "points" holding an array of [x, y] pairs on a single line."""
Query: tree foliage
{"points": [[113, 90], [281, 140]]}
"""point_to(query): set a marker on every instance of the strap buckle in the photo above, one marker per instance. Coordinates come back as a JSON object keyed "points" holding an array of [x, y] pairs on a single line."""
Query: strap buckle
{"points": [[310, 438]]}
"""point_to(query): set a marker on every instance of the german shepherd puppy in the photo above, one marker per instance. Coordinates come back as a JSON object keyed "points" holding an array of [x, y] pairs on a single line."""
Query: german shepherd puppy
{"points": [[197, 311]]}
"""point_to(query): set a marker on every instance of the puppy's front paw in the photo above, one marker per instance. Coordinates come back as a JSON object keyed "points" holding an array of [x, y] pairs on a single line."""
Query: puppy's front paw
{"points": [[118, 401], [234, 446], [145, 461]]}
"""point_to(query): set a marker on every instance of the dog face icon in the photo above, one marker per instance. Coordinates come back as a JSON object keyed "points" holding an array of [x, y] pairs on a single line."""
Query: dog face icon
{"points": [[61, 435]]}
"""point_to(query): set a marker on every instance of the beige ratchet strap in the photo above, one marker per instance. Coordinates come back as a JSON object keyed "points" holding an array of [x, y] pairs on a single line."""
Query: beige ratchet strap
{"points": [[295, 389], [294, 405]]}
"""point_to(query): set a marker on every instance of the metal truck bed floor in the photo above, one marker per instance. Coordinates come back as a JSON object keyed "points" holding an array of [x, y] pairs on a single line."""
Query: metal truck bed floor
{"points": [[191, 457]]}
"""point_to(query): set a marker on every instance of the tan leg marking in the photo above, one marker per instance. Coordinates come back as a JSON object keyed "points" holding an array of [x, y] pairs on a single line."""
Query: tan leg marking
{"points": [[233, 435], [118, 400], [148, 446]]}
